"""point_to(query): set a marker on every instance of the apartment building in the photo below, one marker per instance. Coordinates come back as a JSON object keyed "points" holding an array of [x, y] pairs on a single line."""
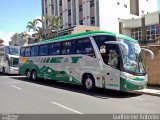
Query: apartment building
{"points": [[104, 14]]}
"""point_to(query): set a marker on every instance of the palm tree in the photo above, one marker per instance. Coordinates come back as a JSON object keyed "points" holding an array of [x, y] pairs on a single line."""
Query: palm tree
{"points": [[40, 32], [33, 25], [54, 24]]}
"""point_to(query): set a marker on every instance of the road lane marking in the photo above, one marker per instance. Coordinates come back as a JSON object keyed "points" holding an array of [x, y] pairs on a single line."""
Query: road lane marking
{"points": [[139, 99], [67, 108], [16, 87]]}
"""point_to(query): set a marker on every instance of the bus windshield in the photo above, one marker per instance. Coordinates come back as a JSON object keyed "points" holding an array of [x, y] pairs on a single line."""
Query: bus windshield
{"points": [[133, 61], [14, 62], [13, 51]]}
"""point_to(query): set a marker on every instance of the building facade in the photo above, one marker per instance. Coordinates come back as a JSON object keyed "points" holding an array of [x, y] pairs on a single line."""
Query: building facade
{"points": [[104, 14], [146, 28]]}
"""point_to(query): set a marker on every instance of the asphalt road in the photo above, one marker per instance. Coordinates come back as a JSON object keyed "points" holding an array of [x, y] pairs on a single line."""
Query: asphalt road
{"points": [[21, 96]]}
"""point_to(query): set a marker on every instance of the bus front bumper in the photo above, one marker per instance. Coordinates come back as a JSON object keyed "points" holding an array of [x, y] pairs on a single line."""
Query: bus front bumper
{"points": [[13, 70], [129, 82], [126, 85]]}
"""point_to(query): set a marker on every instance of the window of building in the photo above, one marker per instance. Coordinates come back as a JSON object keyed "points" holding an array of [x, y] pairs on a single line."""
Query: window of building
{"points": [[81, 22], [92, 3], [54, 48], [28, 52], [93, 21], [69, 25], [69, 12], [152, 32], [68, 47], [43, 50], [46, 11], [34, 50], [136, 33], [125, 5], [80, 8], [60, 3], [84, 46], [52, 7]]}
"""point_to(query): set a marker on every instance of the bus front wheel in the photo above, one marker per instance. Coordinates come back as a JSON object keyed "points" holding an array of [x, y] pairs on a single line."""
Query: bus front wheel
{"points": [[89, 82], [34, 75]]}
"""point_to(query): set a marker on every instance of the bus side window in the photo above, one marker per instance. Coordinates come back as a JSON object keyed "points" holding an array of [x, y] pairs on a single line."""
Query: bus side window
{"points": [[113, 56], [54, 48], [27, 52], [84, 46], [68, 47], [43, 50], [34, 51], [22, 52], [6, 50], [100, 40]]}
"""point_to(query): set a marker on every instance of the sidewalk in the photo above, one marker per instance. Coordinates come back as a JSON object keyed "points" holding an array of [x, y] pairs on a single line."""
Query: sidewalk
{"points": [[155, 91]]}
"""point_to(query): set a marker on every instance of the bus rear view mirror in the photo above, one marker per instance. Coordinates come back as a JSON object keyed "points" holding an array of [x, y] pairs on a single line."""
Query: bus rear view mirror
{"points": [[123, 46]]}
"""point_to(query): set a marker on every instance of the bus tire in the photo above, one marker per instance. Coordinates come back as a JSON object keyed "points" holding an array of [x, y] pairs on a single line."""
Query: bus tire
{"points": [[88, 82], [34, 75], [28, 74]]}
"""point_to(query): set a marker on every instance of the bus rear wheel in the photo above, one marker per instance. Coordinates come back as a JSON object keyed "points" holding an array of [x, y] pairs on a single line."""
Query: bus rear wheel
{"points": [[34, 75], [28, 74], [89, 82]]}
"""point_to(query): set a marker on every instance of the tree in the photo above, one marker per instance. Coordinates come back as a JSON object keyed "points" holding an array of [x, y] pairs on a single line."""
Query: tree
{"points": [[33, 25], [54, 24], [1, 42], [40, 32]]}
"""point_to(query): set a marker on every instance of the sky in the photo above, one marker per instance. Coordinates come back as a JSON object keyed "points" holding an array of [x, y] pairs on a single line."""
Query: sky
{"points": [[15, 14]]}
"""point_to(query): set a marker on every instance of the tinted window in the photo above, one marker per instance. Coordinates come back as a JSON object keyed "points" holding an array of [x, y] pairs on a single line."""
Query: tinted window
{"points": [[68, 47], [100, 40], [84, 46], [28, 52], [54, 49], [14, 51], [43, 50], [22, 52], [34, 50], [113, 56], [6, 50]]}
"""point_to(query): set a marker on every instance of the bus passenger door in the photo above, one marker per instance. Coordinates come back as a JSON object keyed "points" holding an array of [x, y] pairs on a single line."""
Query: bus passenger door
{"points": [[112, 69]]}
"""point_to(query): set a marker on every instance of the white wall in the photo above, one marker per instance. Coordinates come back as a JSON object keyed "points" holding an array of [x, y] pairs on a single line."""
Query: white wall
{"points": [[152, 19], [110, 11], [148, 6]]}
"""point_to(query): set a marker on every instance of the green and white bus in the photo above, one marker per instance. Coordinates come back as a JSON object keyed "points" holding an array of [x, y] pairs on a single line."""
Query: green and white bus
{"points": [[93, 59]]}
